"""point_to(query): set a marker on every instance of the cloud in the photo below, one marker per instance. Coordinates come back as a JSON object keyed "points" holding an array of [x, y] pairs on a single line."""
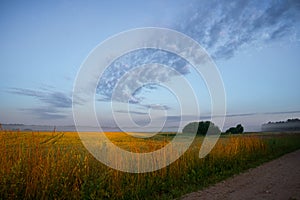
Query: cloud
{"points": [[145, 109], [241, 115], [54, 103], [156, 107], [132, 112], [45, 113], [51, 98], [125, 78], [185, 118], [57, 99], [262, 113], [282, 112], [223, 28]]}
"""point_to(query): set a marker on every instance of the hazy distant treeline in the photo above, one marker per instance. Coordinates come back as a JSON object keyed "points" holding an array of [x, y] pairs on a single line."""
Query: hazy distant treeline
{"points": [[288, 125]]}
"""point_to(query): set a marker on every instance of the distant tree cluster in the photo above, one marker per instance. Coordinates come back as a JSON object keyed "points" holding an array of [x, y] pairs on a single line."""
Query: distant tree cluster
{"points": [[201, 128], [235, 130], [287, 121], [288, 125]]}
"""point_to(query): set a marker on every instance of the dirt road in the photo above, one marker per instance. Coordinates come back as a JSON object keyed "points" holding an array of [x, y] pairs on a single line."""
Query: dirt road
{"points": [[278, 179]]}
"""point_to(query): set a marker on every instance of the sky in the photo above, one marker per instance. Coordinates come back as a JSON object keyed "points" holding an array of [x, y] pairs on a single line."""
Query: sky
{"points": [[255, 46]]}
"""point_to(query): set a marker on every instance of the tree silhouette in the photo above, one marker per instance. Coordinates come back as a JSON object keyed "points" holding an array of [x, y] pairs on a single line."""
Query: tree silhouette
{"points": [[201, 128], [235, 130], [239, 128]]}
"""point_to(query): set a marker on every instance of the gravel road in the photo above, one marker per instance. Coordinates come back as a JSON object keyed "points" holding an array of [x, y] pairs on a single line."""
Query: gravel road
{"points": [[277, 179]]}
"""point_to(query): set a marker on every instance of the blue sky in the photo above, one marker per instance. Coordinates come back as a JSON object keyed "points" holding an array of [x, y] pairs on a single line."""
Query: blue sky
{"points": [[255, 45]]}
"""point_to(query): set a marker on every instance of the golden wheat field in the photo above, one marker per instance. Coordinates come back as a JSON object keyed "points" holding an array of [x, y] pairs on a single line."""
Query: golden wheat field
{"points": [[55, 165]]}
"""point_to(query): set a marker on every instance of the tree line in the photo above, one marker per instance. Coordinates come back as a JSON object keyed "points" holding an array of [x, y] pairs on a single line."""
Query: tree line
{"points": [[208, 127]]}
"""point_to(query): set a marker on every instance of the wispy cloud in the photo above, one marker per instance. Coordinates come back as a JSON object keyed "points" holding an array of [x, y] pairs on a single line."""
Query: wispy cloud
{"points": [[282, 112], [51, 98], [262, 113], [46, 113], [224, 27], [53, 103], [143, 107], [221, 27], [125, 78], [156, 107], [132, 112]]}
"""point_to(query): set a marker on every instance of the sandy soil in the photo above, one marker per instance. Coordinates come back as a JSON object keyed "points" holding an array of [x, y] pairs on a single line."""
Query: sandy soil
{"points": [[278, 179]]}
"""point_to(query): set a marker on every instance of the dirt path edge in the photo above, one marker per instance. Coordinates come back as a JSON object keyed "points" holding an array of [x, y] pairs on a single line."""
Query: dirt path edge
{"points": [[277, 179]]}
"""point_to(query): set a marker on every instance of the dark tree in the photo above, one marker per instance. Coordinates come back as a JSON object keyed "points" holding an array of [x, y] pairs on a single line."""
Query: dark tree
{"points": [[240, 128], [231, 130], [201, 128], [235, 130]]}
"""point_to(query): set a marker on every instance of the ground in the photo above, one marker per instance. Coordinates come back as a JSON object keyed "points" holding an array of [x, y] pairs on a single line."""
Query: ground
{"points": [[278, 179]]}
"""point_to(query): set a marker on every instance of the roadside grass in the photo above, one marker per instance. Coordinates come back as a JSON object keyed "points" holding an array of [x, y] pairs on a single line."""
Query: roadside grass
{"points": [[55, 165]]}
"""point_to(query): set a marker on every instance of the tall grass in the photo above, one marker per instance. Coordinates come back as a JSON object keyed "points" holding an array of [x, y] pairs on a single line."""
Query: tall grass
{"points": [[55, 165]]}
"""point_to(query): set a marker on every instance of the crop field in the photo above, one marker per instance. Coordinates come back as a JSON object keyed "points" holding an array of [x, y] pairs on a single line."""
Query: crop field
{"points": [[56, 165]]}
